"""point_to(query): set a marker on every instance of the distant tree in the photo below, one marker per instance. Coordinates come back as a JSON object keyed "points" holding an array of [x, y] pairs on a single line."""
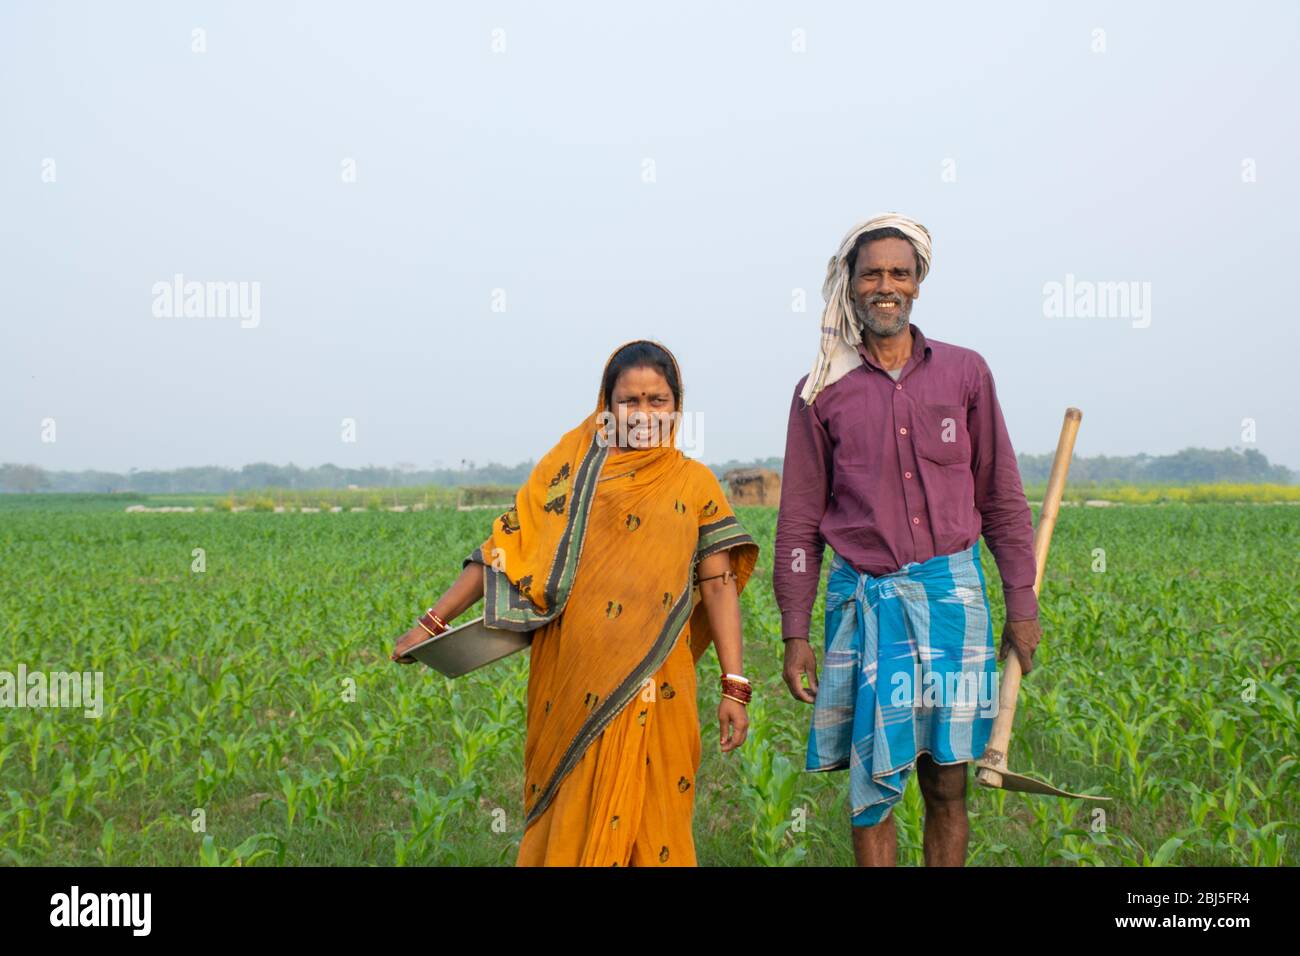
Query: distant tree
{"points": [[23, 479], [1186, 466], [1189, 465]]}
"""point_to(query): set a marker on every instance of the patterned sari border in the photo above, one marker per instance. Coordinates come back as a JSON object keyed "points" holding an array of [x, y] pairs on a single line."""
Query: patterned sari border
{"points": [[505, 606], [721, 535]]}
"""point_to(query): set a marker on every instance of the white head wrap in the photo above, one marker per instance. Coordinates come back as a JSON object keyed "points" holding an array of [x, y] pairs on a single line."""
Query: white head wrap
{"points": [[838, 354]]}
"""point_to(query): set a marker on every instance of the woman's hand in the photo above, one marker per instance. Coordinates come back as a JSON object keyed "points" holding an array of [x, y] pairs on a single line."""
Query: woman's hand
{"points": [[733, 718], [416, 635], [460, 597]]}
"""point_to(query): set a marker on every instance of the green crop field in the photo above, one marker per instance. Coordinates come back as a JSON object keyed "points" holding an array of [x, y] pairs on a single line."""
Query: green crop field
{"points": [[251, 714]]}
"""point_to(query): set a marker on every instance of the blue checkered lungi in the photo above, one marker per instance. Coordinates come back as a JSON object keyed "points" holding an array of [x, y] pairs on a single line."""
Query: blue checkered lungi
{"points": [[909, 668]]}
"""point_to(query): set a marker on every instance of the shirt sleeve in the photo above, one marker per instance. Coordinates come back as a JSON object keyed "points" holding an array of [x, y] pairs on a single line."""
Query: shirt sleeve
{"points": [[805, 492], [1007, 523]]}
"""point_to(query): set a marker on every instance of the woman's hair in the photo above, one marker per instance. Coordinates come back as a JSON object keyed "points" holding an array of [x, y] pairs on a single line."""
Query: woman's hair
{"points": [[642, 355]]}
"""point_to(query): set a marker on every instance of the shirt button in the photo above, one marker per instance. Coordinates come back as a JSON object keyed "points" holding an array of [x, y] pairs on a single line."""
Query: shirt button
{"points": [[902, 431], [898, 387], [907, 474], [915, 520]]}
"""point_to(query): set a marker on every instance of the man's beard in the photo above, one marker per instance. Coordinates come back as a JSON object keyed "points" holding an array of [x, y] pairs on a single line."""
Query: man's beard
{"points": [[884, 324]]}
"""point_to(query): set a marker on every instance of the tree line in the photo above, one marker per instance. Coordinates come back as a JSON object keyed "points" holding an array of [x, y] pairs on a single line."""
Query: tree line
{"points": [[1200, 465]]}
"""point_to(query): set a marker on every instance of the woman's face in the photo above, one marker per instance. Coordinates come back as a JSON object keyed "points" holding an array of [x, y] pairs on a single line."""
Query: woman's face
{"points": [[642, 405]]}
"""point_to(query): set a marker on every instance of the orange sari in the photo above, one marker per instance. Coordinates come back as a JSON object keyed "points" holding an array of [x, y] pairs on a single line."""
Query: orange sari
{"points": [[597, 559]]}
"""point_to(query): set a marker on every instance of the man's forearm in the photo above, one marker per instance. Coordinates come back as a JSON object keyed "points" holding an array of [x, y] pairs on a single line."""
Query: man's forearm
{"points": [[796, 572], [805, 493], [1011, 540], [1006, 520]]}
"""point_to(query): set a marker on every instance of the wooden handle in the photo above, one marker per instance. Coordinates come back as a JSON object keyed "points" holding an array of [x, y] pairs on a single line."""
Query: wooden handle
{"points": [[995, 755]]}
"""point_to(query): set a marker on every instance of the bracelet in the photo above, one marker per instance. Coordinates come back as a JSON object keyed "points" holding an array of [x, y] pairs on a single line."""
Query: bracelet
{"points": [[725, 575], [743, 703], [737, 690], [738, 677], [435, 622]]}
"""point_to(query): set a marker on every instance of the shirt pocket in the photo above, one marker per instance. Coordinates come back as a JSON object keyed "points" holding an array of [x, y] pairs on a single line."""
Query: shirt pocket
{"points": [[939, 434]]}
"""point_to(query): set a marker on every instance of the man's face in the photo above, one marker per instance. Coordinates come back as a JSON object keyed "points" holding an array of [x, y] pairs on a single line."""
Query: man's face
{"points": [[883, 285]]}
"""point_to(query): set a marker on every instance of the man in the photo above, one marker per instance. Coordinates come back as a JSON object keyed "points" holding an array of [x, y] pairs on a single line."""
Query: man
{"points": [[898, 457]]}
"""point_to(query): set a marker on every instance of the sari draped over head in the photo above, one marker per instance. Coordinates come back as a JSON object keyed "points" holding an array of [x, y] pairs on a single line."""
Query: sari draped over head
{"points": [[597, 558]]}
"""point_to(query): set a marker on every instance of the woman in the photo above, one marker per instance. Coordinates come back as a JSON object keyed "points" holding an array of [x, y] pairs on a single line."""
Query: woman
{"points": [[599, 558]]}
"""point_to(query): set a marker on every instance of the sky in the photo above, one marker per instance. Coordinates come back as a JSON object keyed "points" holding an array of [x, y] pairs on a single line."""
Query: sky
{"points": [[442, 219]]}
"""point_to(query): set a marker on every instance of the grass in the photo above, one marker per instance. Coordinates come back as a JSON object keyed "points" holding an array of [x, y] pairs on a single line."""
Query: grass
{"points": [[255, 697]]}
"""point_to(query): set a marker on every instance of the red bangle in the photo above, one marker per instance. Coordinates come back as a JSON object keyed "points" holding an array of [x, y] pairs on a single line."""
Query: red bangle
{"points": [[737, 690], [432, 623]]}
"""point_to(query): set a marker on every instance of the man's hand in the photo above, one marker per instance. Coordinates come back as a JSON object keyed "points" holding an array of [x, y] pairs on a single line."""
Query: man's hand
{"points": [[799, 660], [1024, 637]]}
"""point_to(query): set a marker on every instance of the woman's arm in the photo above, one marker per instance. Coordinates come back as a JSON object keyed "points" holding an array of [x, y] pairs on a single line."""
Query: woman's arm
{"points": [[723, 607], [723, 604], [464, 593]]}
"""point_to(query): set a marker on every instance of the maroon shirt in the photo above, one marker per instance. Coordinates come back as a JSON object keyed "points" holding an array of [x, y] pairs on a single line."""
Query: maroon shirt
{"points": [[891, 472]]}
